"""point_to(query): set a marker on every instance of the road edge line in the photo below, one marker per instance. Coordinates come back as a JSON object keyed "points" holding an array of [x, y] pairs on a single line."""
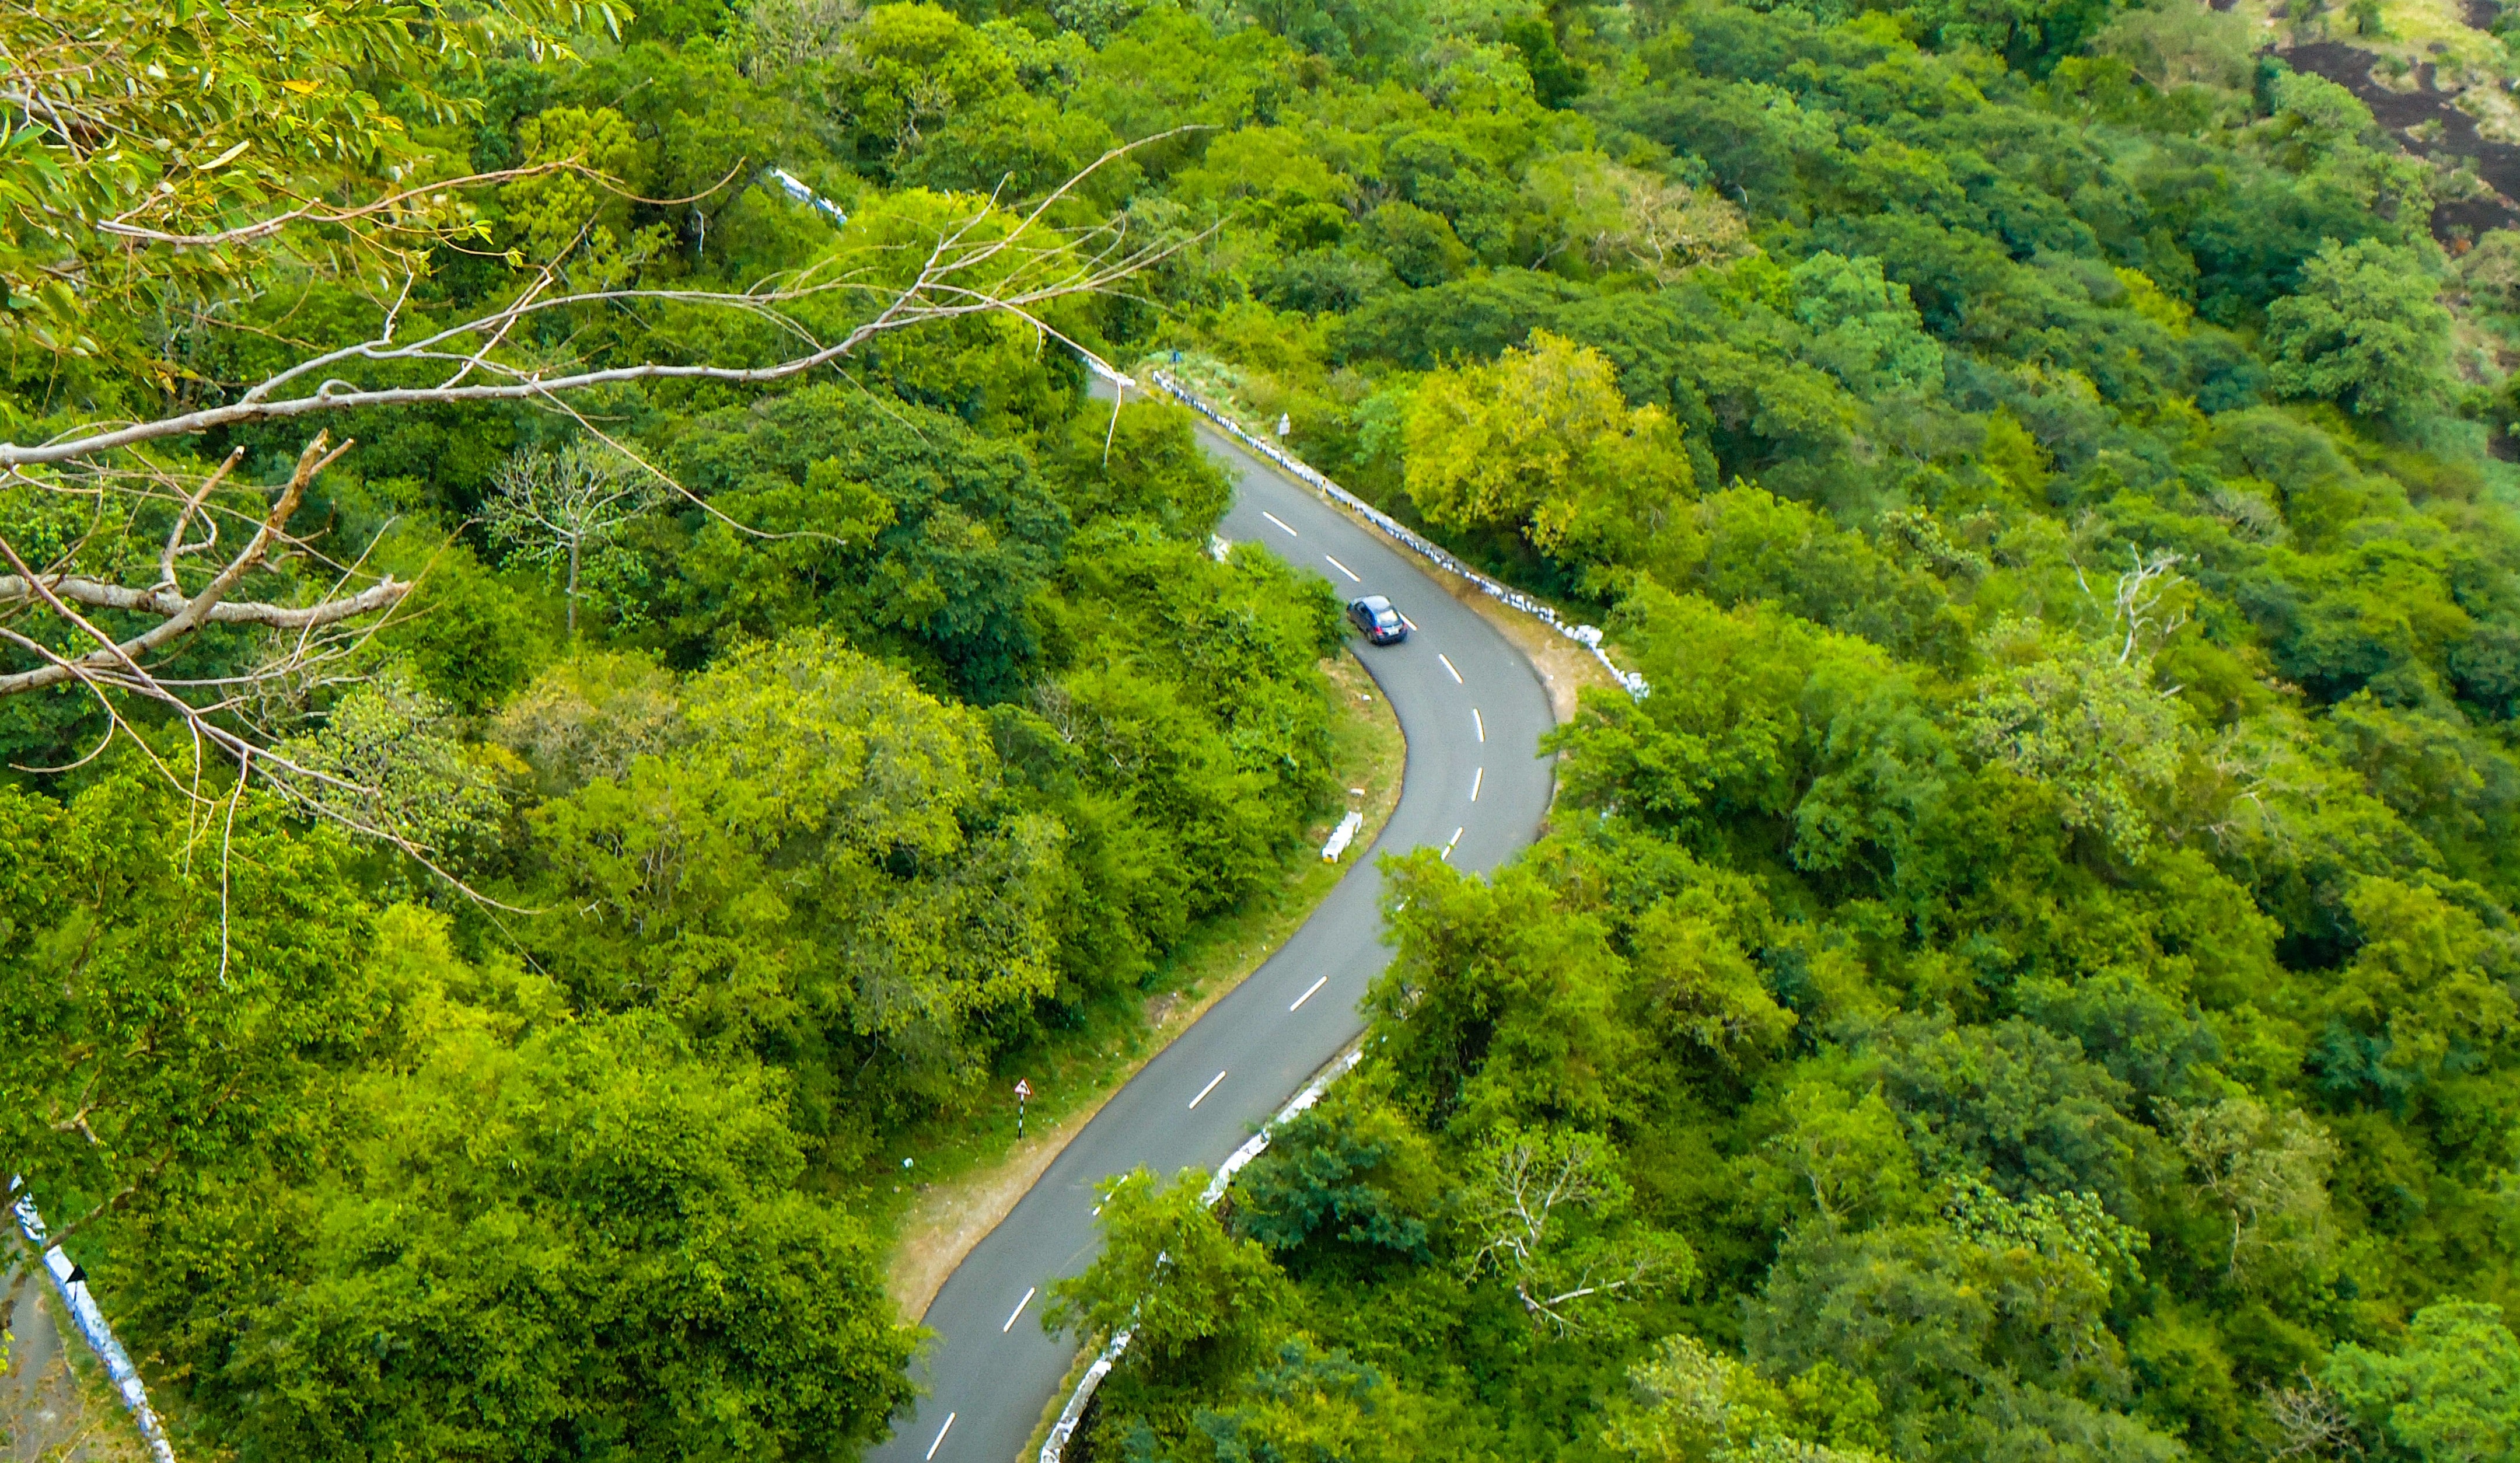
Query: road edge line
{"points": [[1585, 635], [1053, 1442], [1077, 1122]]}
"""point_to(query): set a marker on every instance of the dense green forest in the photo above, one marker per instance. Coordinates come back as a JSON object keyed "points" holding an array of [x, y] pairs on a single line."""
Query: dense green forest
{"points": [[2036, 977], [511, 1066]]}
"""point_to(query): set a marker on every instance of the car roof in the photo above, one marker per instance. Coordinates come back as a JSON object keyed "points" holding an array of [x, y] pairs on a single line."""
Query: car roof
{"points": [[1374, 602]]}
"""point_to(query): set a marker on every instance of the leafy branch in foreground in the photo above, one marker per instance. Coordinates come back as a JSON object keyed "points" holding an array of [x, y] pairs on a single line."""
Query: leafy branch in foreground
{"points": [[79, 608]]}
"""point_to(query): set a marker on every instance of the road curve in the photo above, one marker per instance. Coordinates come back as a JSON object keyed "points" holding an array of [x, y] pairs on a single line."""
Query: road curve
{"points": [[1473, 710]]}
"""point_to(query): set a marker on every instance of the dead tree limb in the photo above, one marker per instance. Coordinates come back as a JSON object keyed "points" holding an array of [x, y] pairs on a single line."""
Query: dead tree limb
{"points": [[181, 614]]}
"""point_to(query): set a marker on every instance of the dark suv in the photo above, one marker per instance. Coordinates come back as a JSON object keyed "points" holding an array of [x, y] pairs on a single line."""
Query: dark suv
{"points": [[1375, 619]]}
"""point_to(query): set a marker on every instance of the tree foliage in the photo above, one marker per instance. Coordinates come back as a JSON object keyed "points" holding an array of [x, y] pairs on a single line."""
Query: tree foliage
{"points": [[2040, 950], [2363, 331], [2035, 977]]}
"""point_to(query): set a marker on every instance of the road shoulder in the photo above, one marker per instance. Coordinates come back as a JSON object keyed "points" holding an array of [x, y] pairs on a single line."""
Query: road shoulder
{"points": [[1564, 667], [975, 1189]]}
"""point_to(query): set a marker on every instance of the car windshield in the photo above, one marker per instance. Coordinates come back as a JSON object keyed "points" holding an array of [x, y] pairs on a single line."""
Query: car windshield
{"points": [[1387, 618]]}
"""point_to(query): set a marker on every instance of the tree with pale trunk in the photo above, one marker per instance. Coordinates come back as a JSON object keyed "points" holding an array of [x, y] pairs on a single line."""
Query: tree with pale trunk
{"points": [[2266, 1171], [562, 507]]}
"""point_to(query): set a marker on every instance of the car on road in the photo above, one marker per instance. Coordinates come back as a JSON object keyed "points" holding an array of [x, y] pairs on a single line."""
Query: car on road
{"points": [[1375, 619]]}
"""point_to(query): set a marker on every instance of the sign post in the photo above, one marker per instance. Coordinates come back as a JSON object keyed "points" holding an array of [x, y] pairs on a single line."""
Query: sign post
{"points": [[1023, 1094]]}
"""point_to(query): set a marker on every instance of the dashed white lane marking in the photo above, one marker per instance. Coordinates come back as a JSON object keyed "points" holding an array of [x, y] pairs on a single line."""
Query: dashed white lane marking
{"points": [[1478, 725], [1440, 656], [1020, 1305], [1343, 568], [1449, 842], [1308, 991], [1280, 523], [941, 1432], [1210, 1087], [1411, 623], [1476, 778]]}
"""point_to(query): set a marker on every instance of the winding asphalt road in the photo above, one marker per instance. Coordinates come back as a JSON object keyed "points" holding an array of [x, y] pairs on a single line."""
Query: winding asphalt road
{"points": [[1473, 710]]}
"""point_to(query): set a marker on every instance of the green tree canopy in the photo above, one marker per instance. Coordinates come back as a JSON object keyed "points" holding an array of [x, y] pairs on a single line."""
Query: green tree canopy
{"points": [[2364, 330]]}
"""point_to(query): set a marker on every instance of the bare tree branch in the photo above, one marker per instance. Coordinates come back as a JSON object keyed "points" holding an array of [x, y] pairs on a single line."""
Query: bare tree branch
{"points": [[176, 548], [1518, 1204], [181, 614], [95, 595], [2312, 1422], [950, 284], [2138, 609], [55, 616], [316, 210]]}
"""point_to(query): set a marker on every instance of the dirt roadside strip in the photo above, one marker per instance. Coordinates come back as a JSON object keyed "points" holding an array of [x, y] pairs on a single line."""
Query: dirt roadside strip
{"points": [[1564, 668], [950, 1216], [56, 1405]]}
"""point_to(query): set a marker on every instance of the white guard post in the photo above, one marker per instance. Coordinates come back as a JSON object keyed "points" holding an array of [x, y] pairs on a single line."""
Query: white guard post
{"points": [[1342, 836]]}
